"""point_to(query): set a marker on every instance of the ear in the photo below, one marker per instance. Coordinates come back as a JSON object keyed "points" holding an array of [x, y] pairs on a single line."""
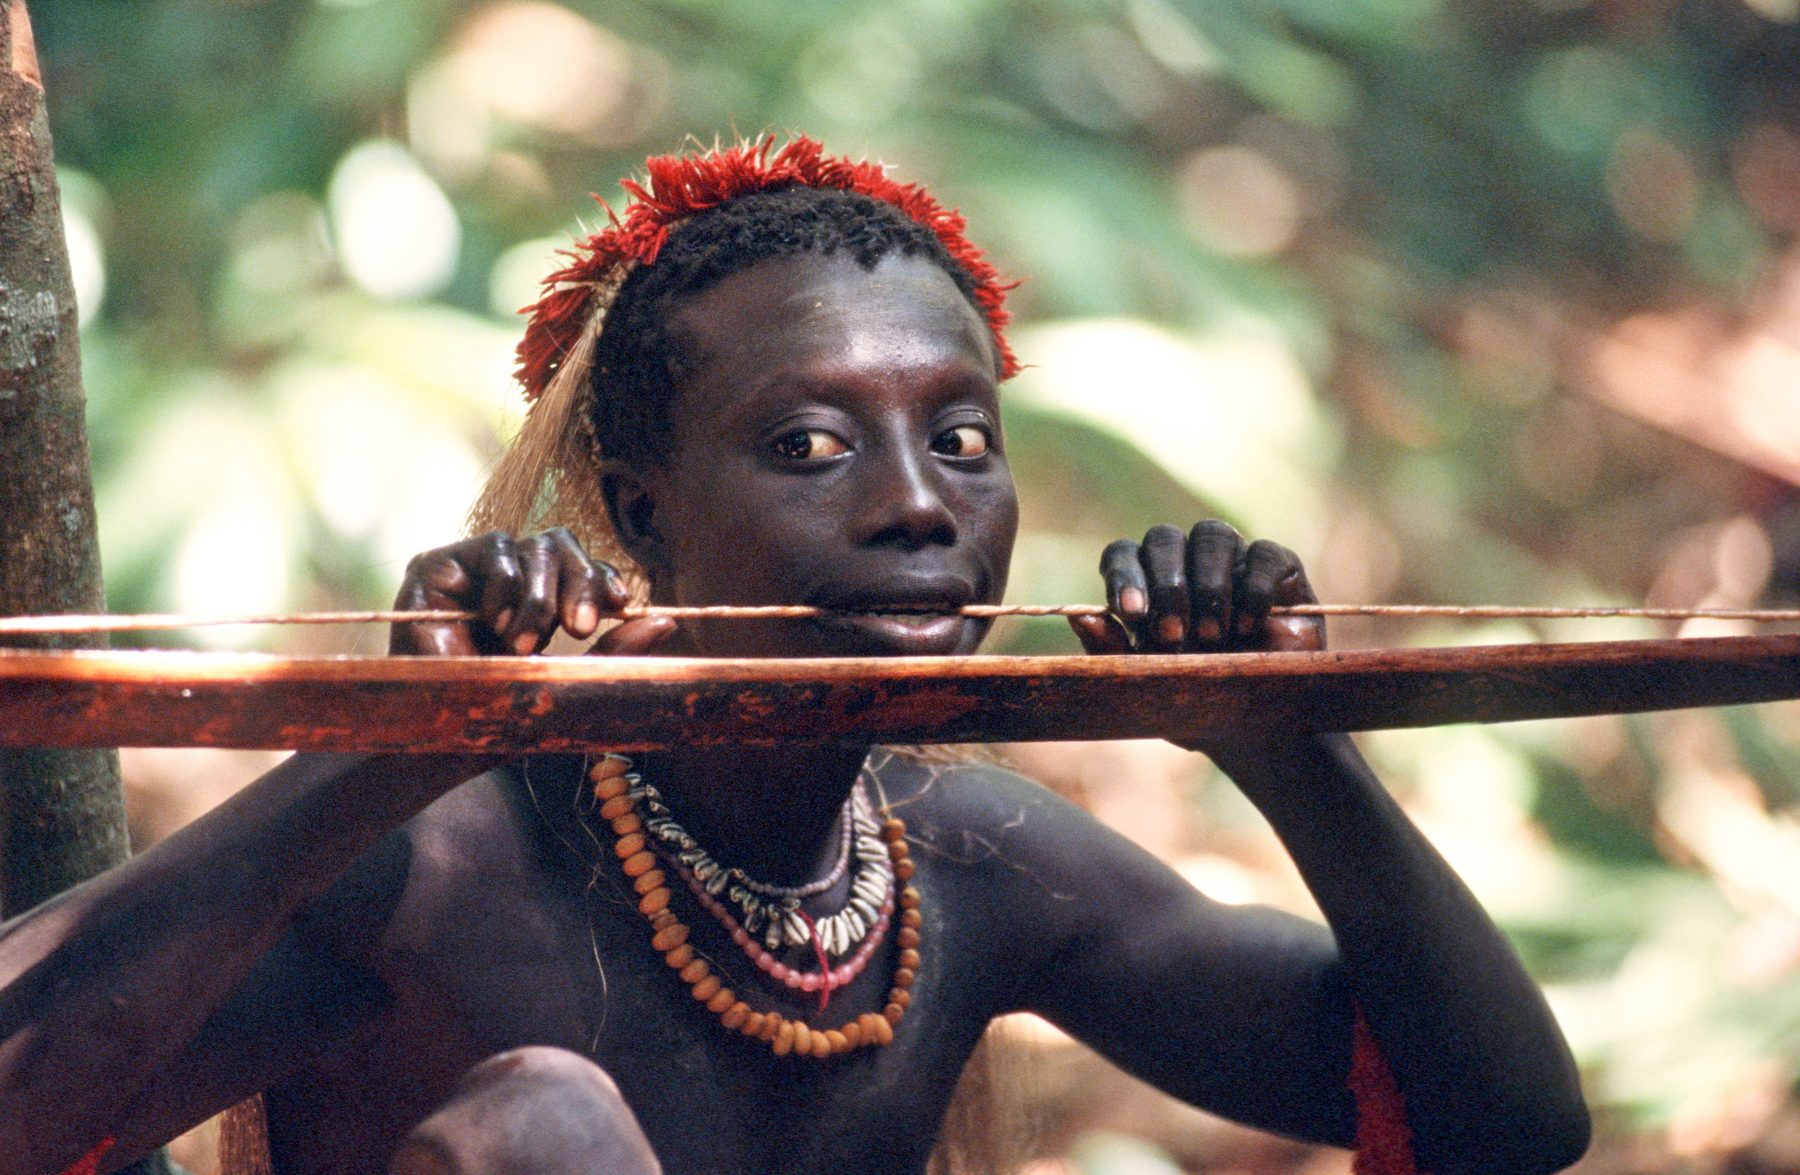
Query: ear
{"points": [[630, 494]]}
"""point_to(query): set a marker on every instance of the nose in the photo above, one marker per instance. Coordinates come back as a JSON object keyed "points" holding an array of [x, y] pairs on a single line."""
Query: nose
{"points": [[904, 504]]}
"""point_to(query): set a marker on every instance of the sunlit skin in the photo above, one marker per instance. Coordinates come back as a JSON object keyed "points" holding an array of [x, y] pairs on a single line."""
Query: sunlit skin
{"points": [[366, 936]]}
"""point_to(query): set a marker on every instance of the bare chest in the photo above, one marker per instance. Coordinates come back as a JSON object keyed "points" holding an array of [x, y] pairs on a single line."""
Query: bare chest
{"points": [[545, 954]]}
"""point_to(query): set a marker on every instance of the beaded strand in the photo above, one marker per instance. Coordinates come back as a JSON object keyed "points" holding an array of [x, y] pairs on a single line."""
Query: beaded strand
{"points": [[825, 981], [784, 1035], [776, 913]]}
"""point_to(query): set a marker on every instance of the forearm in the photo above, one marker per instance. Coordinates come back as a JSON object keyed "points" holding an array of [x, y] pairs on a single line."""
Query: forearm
{"points": [[107, 982], [1488, 1080]]}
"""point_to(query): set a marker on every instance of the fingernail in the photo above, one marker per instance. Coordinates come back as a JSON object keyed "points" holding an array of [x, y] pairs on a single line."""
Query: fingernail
{"points": [[1206, 629], [524, 644], [586, 617], [1171, 629], [1132, 602]]}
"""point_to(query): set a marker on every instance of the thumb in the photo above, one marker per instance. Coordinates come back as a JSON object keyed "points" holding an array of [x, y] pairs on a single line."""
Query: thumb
{"points": [[634, 638], [1102, 635]]}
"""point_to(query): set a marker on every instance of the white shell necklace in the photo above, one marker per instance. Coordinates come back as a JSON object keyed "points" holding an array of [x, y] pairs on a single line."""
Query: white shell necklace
{"points": [[774, 911]]}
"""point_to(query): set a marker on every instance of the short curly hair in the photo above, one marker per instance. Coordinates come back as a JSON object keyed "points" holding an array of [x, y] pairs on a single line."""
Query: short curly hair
{"points": [[637, 356]]}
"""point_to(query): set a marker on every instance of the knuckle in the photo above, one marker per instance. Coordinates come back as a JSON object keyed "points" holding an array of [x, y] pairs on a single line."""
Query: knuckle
{"points": [[1163, 535], [563, 539], [1121, 555], [1273, 554], [430, 564], [1214, 529]]}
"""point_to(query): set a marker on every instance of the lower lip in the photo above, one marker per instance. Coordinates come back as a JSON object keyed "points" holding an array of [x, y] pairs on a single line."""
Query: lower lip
{"points": [[904, 634]]}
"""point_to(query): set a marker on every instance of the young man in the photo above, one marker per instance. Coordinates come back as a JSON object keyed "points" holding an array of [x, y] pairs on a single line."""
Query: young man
{"points": [[774, 381]]}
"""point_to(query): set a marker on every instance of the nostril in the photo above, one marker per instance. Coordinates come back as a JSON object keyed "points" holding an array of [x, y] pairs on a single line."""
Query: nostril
{"points": [[920, 520], [915, 532]]}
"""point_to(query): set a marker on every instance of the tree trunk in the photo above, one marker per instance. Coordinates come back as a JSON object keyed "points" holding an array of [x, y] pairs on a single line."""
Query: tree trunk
{"points": [[62, 813]]}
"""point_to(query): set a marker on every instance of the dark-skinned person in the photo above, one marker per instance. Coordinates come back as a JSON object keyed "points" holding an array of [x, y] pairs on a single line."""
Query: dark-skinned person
{"points": [[773, 379]]}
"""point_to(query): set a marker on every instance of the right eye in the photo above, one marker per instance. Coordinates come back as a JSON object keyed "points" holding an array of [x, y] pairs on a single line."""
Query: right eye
{"points": [[808, 444]]}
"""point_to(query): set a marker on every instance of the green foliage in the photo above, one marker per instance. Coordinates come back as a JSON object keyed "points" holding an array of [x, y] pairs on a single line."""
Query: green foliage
{"points": [[1321, 265]]}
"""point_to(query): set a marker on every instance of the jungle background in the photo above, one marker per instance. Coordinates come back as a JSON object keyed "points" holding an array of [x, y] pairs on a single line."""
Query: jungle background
{"points": [[1469, 301]]}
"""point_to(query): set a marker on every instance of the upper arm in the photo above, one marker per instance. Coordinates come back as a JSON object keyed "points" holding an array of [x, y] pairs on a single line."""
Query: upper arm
{"points": [[314, 988], [1238, 1009]]}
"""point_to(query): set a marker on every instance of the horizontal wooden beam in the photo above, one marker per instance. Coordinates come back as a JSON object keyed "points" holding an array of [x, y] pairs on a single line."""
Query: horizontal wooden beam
{"points": [[519, 704]]}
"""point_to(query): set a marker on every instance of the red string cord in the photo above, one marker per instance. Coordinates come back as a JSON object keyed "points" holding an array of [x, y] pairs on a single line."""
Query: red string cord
{"points": [[89, 1164], [1383, 1138], [812, 930]]}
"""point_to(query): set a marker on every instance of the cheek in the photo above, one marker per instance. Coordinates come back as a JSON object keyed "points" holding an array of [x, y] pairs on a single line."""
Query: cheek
{"points": [[994, 515], [731, 552]]}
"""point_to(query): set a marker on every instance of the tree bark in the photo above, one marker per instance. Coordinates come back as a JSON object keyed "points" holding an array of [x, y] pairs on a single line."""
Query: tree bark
{"points": [[62, 813]]}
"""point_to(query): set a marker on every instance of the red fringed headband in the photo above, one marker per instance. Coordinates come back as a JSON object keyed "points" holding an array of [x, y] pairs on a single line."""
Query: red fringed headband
{"points": [[679, 186]]}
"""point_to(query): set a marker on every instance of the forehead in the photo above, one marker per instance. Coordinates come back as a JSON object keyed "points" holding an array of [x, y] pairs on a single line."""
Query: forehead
{"points": [[815, 314]]}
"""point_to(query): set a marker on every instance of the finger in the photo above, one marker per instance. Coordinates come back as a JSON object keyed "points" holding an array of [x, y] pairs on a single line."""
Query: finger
{"points": [[1101, 635], [501, 580], [1165, 569], [615, 591], [1214, 552], [1275, 577], [536, 611], [580, 583], [1123, 573], [435, 579], [1265, 565], [635, 638]]}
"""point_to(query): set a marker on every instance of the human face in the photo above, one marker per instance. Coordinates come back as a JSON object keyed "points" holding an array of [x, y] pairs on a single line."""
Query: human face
{"points": [[837, 443]]}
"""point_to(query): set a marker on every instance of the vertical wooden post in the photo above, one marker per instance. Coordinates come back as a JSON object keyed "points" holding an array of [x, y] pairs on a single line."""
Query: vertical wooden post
{"points": [[62, 813]]}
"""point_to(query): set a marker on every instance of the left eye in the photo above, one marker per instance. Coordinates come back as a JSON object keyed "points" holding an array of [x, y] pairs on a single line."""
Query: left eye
{"points": [[809, 444], [966, 440]]}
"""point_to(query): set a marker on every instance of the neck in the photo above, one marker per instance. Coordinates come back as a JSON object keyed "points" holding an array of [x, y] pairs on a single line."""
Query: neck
{"points": [[773, 812]]}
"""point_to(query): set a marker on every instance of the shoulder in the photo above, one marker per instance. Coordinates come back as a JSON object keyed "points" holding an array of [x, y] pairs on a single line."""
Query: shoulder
{"points": [[472, 845], [948, 797], [984, 816], [1014, 856]]}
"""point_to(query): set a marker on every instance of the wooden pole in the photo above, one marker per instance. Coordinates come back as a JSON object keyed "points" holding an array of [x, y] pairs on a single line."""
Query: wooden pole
{"points": [[62, 812], [514, 705]]}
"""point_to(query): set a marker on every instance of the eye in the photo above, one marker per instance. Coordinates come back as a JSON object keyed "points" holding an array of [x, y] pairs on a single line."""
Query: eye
{"points": [[965, 440], [808, 444]]}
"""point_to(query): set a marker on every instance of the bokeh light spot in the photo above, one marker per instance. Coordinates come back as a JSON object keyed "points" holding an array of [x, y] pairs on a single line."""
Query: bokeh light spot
{"points": [[1239, 202], [397, 235]]}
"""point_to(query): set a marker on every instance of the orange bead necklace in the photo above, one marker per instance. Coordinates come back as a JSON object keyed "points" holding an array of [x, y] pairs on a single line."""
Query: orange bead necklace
{"points": [[785, 1035]]}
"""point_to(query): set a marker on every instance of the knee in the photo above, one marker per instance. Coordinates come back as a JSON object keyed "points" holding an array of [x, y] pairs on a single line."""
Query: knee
{"points": [[530, 1111]]}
